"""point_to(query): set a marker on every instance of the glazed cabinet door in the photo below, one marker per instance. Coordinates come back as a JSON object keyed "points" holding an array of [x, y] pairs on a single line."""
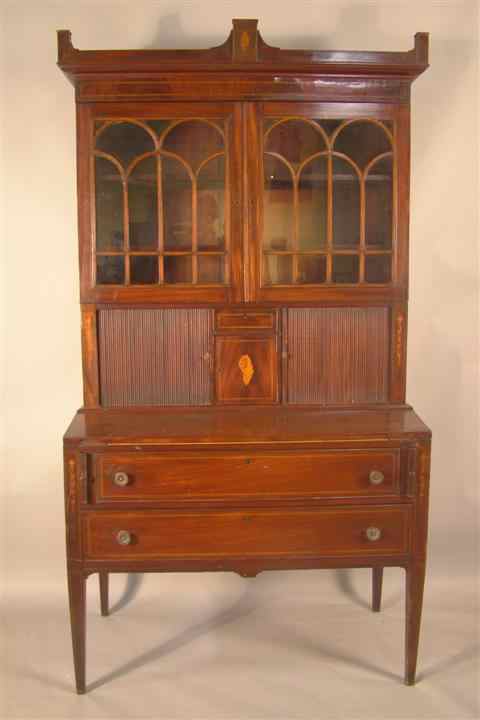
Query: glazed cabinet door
{"points": [[160, 185], [325, 201]]}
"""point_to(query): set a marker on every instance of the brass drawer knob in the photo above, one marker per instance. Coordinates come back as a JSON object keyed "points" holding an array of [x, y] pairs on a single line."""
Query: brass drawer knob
{"points": [[123, 537], [121, 479], [376, 477], [373, 534]]}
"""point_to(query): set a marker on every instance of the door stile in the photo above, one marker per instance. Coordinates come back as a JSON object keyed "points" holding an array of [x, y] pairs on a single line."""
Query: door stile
{"points": [[252, 199], [235, 194]]}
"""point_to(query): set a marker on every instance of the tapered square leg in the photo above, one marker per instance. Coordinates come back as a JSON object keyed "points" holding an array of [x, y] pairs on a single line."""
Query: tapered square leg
{"points": [[103, 582], [414, 601], [377, 581], [77, 597]]}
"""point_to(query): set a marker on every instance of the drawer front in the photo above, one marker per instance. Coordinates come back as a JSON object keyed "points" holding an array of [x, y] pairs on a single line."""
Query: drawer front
{"points": [[245, 320], [354, 473], [268, 533]]}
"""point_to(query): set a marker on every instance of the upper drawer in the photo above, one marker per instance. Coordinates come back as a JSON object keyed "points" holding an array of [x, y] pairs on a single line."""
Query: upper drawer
{"points": [[205, 476]]}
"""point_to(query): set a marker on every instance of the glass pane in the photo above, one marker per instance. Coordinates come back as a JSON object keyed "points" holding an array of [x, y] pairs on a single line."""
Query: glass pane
{"points": [[278, 270], [378, 204], [143, 269], [329, 125], [142, 205], [378, 268], [177, 268], [125, 141], [194, 141], [345, 268], [362, 141], [346, 204], [312, 199], [211, 269], [312, 269], [277, 205], [108, 205], [177, 205], [210, 199], [159, 126], [110, 270], [295, 140]]}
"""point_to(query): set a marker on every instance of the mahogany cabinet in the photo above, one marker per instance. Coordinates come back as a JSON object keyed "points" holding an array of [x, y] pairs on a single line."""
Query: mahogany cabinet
{"points": [[243, 228]]}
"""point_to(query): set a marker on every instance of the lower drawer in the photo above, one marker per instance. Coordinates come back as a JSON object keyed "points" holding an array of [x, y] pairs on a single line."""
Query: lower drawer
{"points": [[267, 533]]}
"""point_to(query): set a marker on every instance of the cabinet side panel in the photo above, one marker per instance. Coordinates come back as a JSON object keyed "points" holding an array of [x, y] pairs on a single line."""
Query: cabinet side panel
{"points": [[338, 356], [155, 356]]}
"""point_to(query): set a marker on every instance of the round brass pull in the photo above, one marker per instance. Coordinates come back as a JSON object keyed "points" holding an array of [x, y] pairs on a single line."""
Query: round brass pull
{"points": [[373, 534], [376, 477], [121, 479], [123, 537]]}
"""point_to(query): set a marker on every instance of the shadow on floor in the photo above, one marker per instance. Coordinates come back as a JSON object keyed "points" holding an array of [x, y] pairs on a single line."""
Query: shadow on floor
{"points": [[132, 587], [344, 582], [242, 607]]}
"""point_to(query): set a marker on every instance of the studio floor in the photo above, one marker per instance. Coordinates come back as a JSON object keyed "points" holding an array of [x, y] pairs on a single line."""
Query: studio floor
{"points": [[217, 646]]}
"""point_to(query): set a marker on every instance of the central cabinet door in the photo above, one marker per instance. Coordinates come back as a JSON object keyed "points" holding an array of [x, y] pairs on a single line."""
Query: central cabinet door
{"points": [[166, 195], [246, 369]]}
